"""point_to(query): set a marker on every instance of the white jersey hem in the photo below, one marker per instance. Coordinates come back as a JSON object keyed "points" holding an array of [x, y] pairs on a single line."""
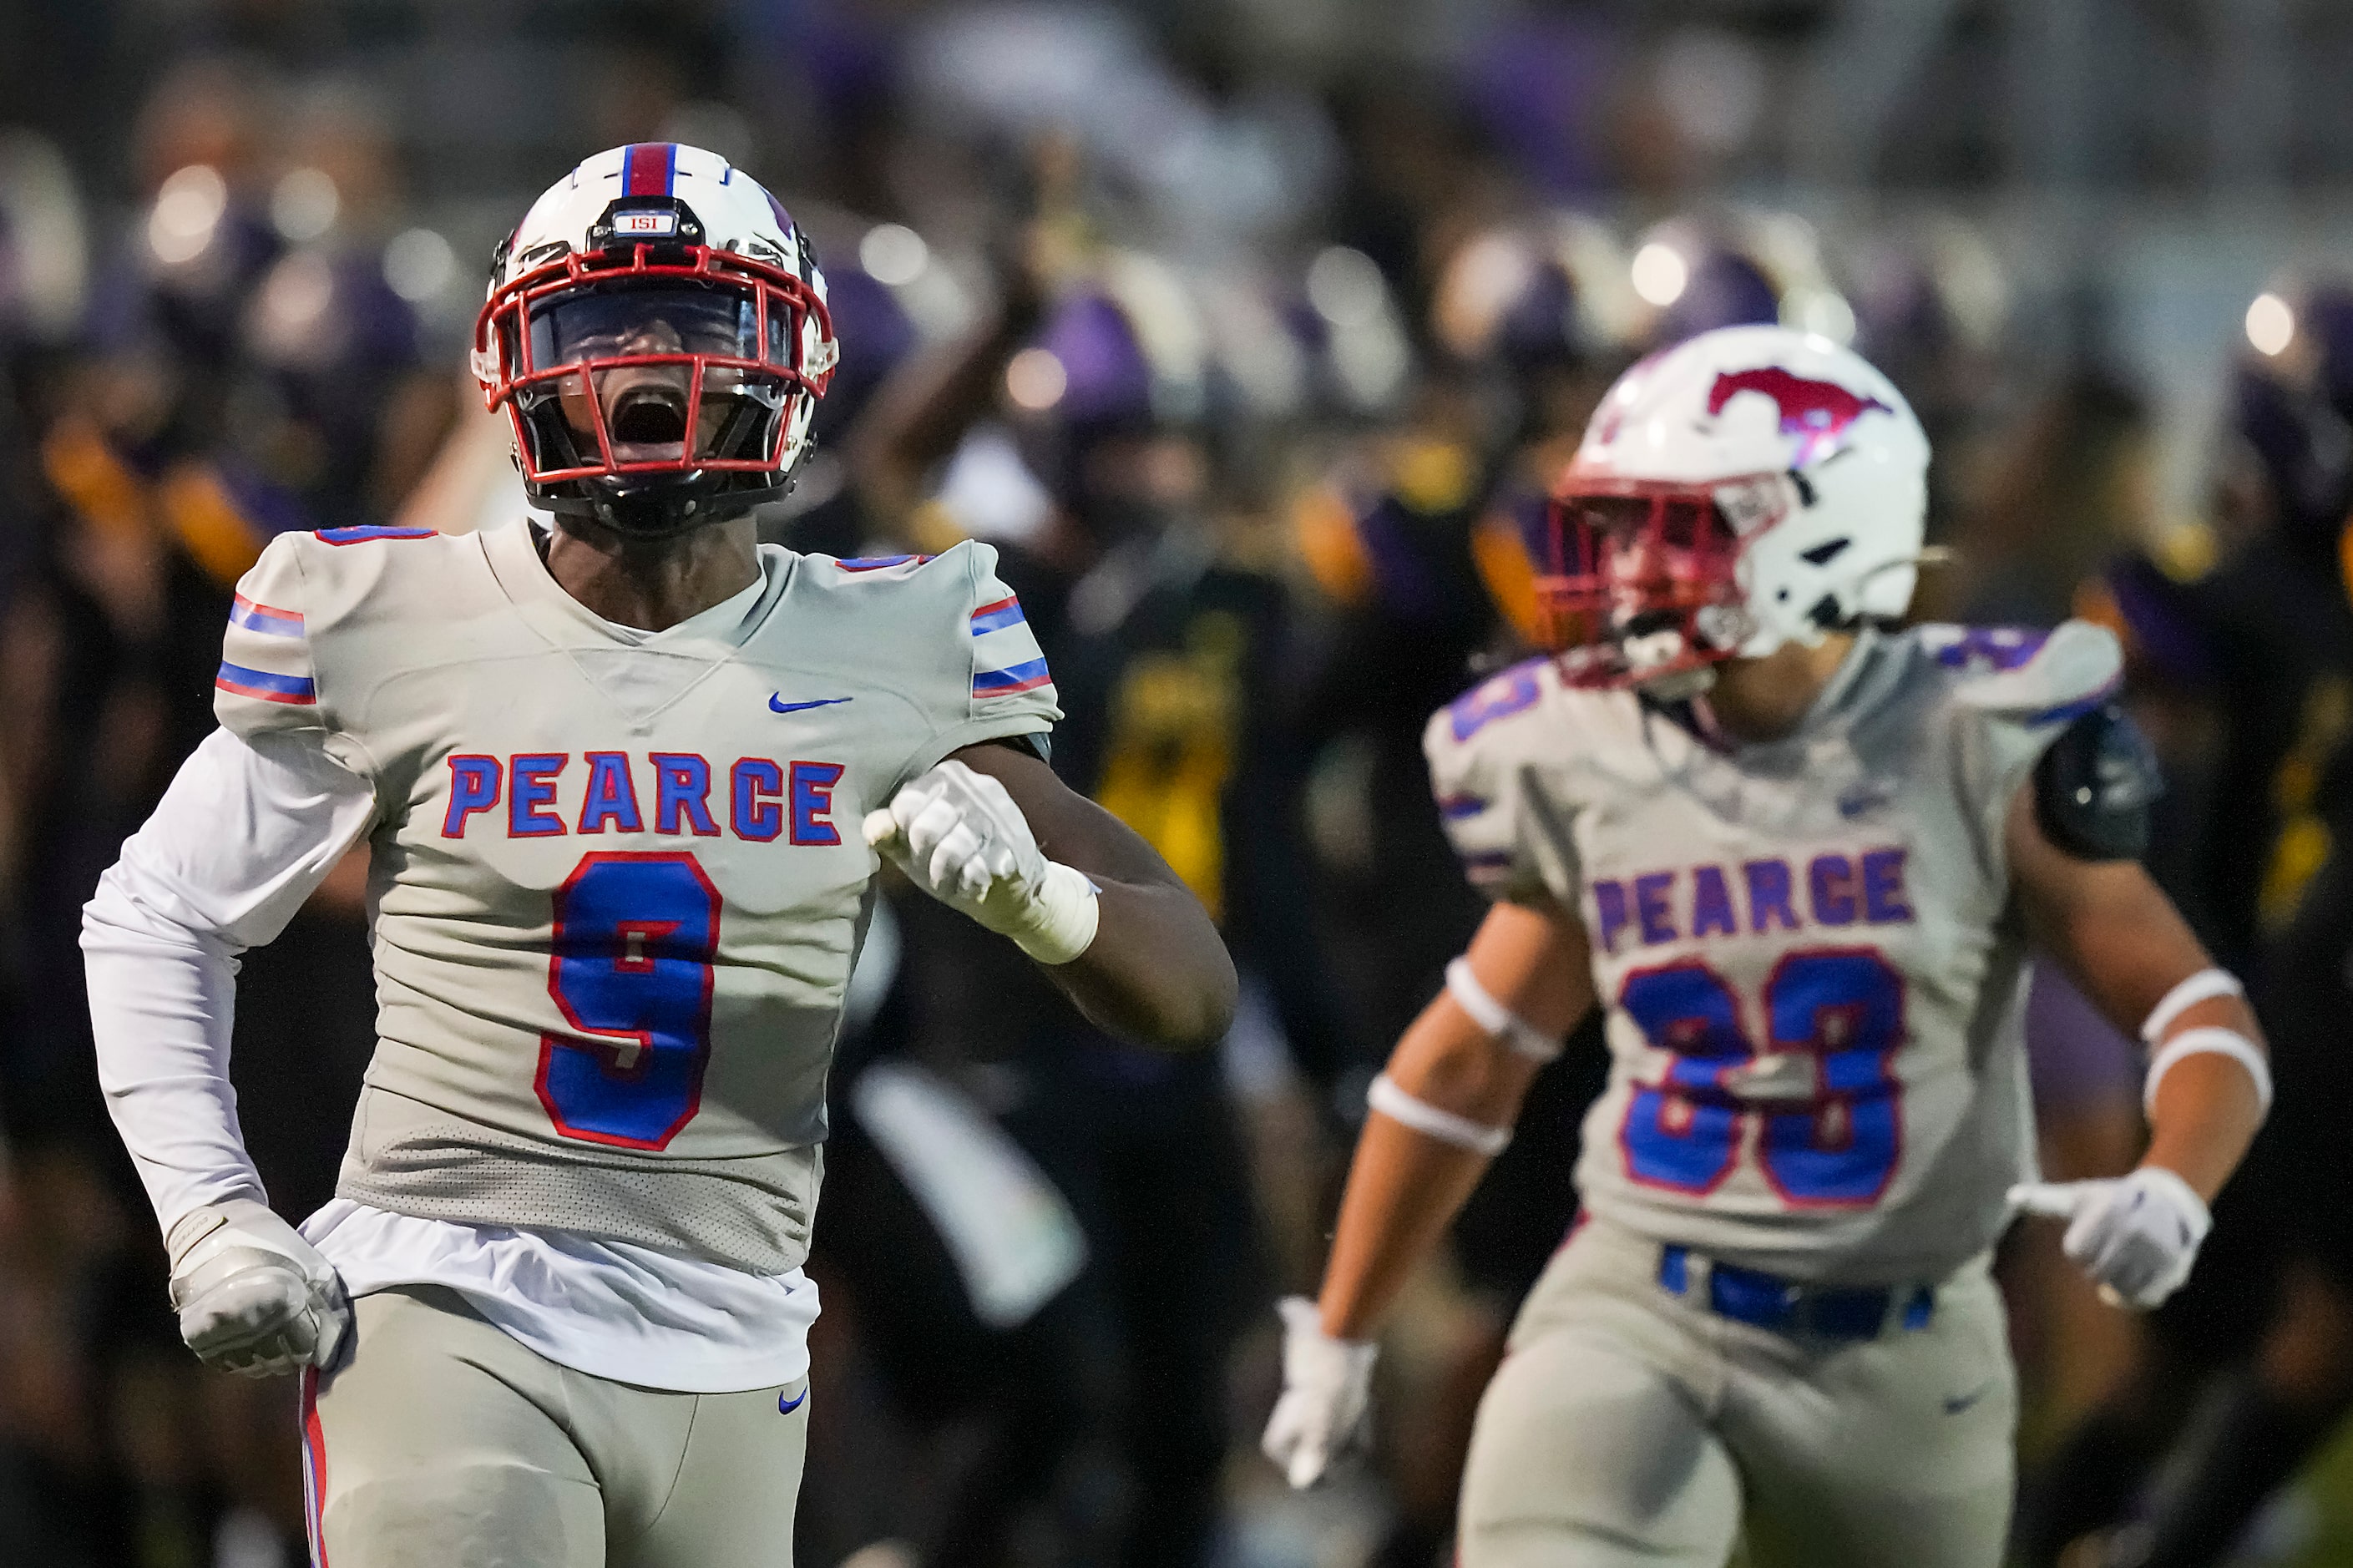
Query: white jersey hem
{"points": [[627, 1314]]}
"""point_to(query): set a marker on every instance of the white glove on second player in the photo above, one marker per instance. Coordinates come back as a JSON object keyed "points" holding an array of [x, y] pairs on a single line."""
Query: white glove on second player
{"points": [[254, 1298], [1326, 1385], [2135, 1236], [959, 836]]}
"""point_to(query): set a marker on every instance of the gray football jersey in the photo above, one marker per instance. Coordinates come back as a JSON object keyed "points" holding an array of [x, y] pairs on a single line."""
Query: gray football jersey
{"points": [[619, 883], [1806, 949]]}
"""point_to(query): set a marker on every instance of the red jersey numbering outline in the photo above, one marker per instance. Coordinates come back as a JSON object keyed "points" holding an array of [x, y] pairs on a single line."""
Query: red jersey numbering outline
{"points": [[1837, 1150]]}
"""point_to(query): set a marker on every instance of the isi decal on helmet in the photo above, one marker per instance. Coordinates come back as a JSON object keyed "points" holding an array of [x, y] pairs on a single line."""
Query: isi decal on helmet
{"points": [[1751, 487], [657, 334]]}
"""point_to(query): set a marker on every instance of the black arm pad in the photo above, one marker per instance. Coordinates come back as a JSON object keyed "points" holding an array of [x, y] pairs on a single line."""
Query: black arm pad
{"points": [[1039, 743], [2093, 788]]}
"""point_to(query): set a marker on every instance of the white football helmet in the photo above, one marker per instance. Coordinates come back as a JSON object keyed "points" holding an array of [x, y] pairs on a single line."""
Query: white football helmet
{"points": [[657, 332], [1752, 486]]}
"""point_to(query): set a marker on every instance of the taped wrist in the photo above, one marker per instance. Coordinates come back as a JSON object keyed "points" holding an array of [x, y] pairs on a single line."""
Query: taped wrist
{"points": [[1060, 923], [1496, 1021], [2208, 1041], [1435, 1122]]}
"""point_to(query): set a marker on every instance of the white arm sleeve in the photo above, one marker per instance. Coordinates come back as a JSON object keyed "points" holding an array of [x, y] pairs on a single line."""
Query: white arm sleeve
{"points": [[247, 832]]}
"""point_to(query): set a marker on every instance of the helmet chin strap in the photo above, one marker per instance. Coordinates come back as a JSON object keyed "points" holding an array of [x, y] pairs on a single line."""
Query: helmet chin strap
{"points": [[1680, 686], [1927, 555], [652, 518]]}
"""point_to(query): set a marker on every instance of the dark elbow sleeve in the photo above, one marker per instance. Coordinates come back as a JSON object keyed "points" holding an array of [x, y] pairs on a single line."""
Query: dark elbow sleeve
{"points": [[2094, 787]]}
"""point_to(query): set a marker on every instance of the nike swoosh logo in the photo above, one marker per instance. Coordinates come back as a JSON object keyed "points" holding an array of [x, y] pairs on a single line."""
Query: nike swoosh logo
{"points": [[1955, 1405], [777, 704], [782, 1408]]}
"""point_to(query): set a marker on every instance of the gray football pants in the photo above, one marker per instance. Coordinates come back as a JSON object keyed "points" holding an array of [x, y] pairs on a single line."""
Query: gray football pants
{"points": [[1628, 1427], [441, 1442]]}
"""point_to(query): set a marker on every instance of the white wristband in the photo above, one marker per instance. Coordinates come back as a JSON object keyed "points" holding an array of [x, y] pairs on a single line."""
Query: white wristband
{"points": [[1063, 916], [1496, 1020], [2208, 1041], [2202, 987], [1432, 1121]]}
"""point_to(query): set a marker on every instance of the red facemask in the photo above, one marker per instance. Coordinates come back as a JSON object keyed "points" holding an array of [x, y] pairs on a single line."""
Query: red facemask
{"points": [[1641, 580], [642, 361]]}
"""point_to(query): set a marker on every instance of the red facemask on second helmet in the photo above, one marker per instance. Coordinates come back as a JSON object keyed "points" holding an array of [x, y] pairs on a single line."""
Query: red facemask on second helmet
{"points": [[1642, 583]]}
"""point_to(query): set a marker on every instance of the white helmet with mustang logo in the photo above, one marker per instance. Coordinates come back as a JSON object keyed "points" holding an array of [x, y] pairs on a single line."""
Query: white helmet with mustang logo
{"points": [[657, 333], [1752, 486]]}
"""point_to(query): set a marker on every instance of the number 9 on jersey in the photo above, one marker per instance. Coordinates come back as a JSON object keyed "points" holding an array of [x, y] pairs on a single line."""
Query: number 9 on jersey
{"points": [[630, 967]]}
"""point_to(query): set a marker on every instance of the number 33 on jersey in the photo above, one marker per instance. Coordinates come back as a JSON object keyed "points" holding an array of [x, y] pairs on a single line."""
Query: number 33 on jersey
{"points": [[615, 904], [1811, 985]]}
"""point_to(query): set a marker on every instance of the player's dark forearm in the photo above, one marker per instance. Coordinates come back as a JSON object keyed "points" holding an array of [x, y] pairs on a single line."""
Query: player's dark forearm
{"points": [[1157, 973]]}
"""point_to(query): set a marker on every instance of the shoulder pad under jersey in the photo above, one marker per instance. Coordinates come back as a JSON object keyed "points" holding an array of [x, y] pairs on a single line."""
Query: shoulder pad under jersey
{"points": [[2027, 675], [1478, 747], [2010, 691], [304, 584], [955, 641]]}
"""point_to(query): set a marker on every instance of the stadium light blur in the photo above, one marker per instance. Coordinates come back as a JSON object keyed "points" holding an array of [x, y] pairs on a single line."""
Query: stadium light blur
{"points": [[1344, 286], [305, 205], [188, 208], [1661, 274], [1822, 312], [2270, 325], [1036, 380], [419, 264], [893, 255]]}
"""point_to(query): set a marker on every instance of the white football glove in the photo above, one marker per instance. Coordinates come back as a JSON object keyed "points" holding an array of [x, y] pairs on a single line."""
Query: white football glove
{"points": [[2135, 1236], [959, 836], [1326, 1386], [254, 1298]]}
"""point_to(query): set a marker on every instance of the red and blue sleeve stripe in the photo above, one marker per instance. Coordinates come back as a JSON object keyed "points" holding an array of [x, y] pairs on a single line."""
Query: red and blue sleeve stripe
{"points": [[296, 691], [1006, 612], [267, 619], [1005, 682]]}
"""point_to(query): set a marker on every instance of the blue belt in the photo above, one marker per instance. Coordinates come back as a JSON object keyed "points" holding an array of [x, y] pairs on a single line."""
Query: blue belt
{"points": [[1768, 1301]]}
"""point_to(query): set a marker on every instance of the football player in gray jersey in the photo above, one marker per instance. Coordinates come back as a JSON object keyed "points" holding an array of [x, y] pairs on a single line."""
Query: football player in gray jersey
{"points": [[555, 1313], [1800, 861]]}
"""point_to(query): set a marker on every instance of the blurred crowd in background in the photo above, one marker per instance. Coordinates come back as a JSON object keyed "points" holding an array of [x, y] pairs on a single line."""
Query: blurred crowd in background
{"points": [[1251, 334]]}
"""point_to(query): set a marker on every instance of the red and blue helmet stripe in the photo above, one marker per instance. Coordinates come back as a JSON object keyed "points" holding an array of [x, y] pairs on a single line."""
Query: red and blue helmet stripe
{"points": [[650, 169]]}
